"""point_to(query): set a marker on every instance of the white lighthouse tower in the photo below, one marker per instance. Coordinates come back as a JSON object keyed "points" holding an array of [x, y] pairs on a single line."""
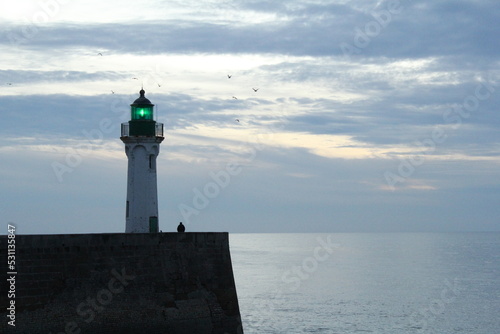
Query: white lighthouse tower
{"points": [[142, 136]]}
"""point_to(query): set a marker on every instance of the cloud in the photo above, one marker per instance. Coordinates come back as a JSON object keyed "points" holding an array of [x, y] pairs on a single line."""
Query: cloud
{"points": [[305, 29], [417, 97], [35, 77]]}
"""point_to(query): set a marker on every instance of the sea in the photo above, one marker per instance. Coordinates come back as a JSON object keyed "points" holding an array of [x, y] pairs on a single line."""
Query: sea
{"points": [[384, 283]]}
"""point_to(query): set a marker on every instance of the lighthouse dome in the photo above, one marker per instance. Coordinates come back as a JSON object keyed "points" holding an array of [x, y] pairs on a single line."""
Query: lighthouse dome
{"points": [[142, 108], [142, 100]]}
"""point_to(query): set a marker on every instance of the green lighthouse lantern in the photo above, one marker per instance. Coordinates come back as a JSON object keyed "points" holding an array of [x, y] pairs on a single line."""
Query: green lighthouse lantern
{"points": [[142, 108], [141, 122]]}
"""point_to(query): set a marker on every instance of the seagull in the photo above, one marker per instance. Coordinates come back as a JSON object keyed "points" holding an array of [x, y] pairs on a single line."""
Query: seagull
{"points": [[112, 92], [9, 83], [135, 79], [158, 85], [234, 97], [229, 76], [237, 120], [255, 89], [99, 54]]}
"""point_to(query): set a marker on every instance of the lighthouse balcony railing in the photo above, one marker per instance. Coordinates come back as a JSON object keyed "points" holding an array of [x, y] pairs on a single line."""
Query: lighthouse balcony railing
{"points": [[159, 129], [126, 129]]}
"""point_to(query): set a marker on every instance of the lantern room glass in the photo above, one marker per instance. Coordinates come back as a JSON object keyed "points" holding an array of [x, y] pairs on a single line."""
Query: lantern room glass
{"points": [[142, 113]]}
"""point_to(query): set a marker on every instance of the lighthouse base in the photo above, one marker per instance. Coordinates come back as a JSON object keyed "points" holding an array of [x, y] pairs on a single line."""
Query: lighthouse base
{"points": [[122, 283]]}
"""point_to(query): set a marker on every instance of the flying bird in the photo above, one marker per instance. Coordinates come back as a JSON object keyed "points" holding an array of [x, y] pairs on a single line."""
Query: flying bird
{"points": [[112, 92], [229, 76], [99, 54], [135, 79], [237, 120], [255, 89], [9, 83], [158, 85], [234, 97]]}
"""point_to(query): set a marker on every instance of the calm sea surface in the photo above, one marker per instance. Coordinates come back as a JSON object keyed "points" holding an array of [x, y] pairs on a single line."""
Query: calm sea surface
{"points": [[368, 283]]}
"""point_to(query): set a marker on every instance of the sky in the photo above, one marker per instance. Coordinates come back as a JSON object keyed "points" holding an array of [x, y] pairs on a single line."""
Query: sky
{"points": [[368, 116]]}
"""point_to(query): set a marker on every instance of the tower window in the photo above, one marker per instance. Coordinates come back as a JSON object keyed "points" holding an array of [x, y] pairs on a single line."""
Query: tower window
{"points": [[152, 162]]}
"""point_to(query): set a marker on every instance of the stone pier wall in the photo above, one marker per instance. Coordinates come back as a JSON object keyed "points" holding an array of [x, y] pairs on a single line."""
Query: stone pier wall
{"points": [[121, 283]]}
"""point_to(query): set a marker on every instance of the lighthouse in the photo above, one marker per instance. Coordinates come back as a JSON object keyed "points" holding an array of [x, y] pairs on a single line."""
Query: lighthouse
{"points": [[142, 136]]}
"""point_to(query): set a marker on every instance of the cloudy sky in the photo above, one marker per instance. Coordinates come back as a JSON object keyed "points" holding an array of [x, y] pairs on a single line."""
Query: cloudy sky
{"points": [[370, 116]]}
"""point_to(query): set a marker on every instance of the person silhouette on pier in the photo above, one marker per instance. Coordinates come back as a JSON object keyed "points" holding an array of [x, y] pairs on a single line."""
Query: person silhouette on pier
{"points": [[181, 228]]}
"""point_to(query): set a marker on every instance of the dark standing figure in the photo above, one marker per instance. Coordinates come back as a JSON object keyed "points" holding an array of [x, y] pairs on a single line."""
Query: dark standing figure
{"points": [[181, 228]]}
